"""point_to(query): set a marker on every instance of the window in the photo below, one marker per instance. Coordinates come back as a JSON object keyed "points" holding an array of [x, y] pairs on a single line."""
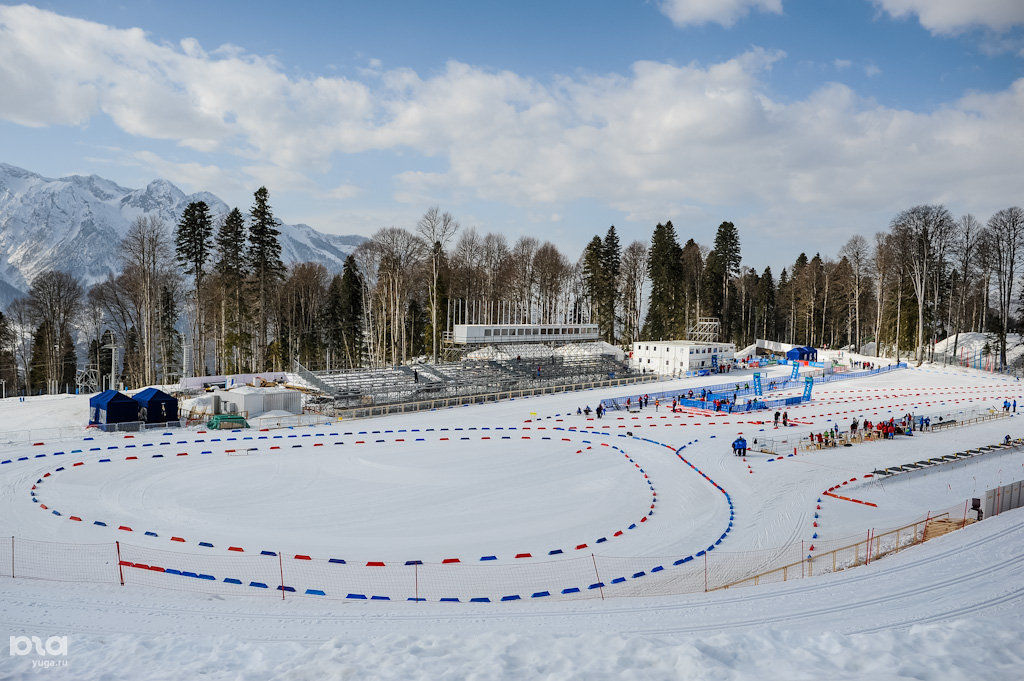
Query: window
{"points": [[487, 332]]}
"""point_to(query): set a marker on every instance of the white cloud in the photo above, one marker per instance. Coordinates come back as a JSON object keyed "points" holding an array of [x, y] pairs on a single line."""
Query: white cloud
{"points": [[345, 191], [954, 16], [842, 64], [660, 140], [871, 70], [724, 12], [190, 176]]}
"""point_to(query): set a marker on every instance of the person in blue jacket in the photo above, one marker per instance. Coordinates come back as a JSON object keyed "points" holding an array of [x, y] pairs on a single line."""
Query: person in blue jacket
{"points": [[739, 446]]}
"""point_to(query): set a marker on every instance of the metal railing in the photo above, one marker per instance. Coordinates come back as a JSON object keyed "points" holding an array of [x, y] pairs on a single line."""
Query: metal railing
{"points": [[484, 398]]}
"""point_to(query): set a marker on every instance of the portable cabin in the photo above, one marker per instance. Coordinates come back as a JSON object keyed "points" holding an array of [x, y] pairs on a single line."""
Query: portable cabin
{"points": [[156, 406], [110, 406]]}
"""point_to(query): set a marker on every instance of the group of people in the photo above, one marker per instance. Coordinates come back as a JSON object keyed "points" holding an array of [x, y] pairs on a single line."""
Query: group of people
{"points": [[785, 418], [599, 412], [827, 438], [641, 400], [1007, 406], [739, 446]]}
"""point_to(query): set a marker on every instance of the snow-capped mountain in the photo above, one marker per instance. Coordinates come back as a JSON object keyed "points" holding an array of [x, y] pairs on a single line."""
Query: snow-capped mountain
{"points": [[74, 224]]}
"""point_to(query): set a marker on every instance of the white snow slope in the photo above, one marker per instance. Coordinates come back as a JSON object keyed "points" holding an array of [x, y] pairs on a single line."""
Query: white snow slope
{"points": [[402, 488]]}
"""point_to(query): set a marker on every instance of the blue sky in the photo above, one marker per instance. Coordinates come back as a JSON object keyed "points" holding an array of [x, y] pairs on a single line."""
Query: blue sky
{"points": [[803, 122]]}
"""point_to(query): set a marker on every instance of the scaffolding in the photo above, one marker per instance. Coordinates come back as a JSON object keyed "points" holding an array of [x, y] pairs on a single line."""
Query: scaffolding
{"points": [[704, 330]]}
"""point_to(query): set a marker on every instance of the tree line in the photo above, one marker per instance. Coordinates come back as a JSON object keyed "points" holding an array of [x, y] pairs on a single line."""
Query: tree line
{"points": [[210, 295]]}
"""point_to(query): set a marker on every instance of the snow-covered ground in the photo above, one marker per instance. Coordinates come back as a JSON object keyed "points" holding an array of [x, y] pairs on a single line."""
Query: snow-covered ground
{"points": [[504, 480], [970, 344]]}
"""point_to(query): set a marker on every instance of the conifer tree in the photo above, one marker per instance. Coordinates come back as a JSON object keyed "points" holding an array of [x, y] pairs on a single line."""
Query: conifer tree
{"points": [[593, 275], [232, 266], [611, 262], [727, 266], [193, 247], [343, 321], [265, 264], [664, 268]]}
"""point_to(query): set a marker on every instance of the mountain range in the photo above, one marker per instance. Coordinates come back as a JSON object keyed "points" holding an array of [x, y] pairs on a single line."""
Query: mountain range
{"points": [[74, 224]]}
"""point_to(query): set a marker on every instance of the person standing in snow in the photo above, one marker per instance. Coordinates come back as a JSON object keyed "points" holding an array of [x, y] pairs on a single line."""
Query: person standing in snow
{"points": [[777, 415], [785, 418]]}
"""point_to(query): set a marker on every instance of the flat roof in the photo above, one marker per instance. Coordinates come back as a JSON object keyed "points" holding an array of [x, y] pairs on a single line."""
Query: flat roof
{"points": [[683, 343]]}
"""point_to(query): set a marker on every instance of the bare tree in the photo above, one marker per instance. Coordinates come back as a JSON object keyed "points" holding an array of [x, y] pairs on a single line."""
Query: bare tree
{"points": [[54, 301], [552, 271], [436, 229], [523, 276], [918, 231], [857, 253], [966, 241], [146, 261], [634, 278], [398, 251], [20, 317], [1005, 235]]}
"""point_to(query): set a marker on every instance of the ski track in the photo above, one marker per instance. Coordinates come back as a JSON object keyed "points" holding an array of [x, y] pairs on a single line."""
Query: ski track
{"points": [[977, 571]]}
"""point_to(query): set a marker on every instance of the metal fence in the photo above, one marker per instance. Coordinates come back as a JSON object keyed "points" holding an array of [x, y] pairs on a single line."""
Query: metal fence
{"points": [[485, 398], [20, 437], [274, 574], [806, 439]]}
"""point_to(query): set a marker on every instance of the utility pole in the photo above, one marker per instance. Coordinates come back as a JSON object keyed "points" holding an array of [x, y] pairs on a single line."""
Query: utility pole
{"points": [[112, 346]]}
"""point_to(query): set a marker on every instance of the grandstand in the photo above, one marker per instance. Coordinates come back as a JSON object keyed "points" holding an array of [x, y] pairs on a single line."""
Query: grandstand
{"points": [[417, 382], [501, 348]]}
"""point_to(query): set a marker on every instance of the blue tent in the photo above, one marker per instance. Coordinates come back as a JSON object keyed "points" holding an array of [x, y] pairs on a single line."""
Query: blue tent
{"points": [[110, 406], [159, 406], [804, 354]]}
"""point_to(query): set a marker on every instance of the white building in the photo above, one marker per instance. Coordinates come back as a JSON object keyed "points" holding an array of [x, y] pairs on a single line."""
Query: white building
{"points": [[676, 357], [466, 334], [252, 401]]}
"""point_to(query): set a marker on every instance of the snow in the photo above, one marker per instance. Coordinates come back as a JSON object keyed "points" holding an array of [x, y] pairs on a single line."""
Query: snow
{"points": [[973, 343], [400, 487]]}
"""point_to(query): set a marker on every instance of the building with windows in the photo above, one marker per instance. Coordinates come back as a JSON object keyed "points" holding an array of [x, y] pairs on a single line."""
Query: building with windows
{"points": [[677, 357], [489, 334]]}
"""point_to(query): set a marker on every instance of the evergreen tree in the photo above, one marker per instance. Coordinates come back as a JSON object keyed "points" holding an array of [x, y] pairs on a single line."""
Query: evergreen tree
{"points": [[592, 275], [727, 266], [715, 288], [264, 262], [193, 247], [691, 284], [343, 316], [194, 240], [664, 269], [8, 365], [611, 262], [232, 267], [766, 305], [231, 261], [37, 373], [69, 364], [170, 338]]}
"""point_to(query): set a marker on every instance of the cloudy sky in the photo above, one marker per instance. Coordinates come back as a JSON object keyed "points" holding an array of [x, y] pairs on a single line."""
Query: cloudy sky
{"points": [[802, 121]]}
